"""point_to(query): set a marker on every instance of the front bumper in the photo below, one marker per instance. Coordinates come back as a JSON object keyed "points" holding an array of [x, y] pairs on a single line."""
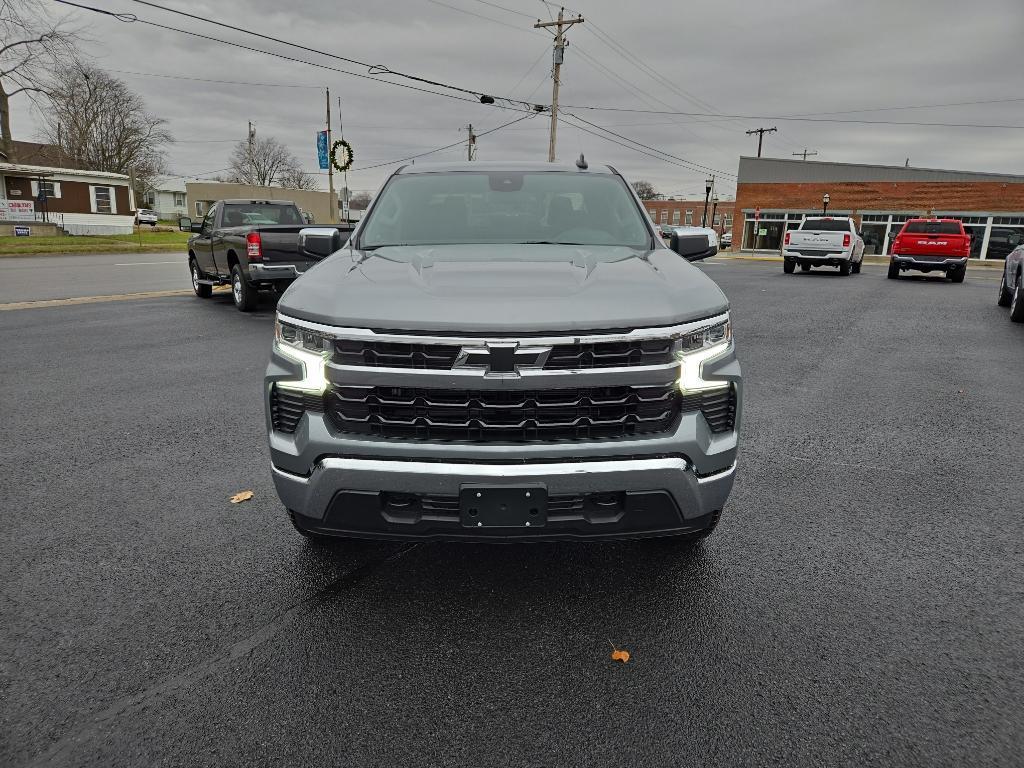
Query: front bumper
{"points": [[928, 263], [590, 499], [346, 484]]}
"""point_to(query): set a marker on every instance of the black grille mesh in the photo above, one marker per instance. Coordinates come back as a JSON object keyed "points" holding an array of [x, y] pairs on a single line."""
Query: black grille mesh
{"points": [[504, 415], [382, 354], [718, 407], [287, 407]]}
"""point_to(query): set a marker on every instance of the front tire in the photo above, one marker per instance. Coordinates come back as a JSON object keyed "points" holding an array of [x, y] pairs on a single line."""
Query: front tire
{"points": [[1017, 304], [788, 265], [243, 292], [894, 271], [1005, 294], [202, 290]]}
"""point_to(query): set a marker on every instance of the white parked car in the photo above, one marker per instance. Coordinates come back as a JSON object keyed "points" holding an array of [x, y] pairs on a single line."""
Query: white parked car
{"points": [[826, 241], [727, 240], [146, 216]]}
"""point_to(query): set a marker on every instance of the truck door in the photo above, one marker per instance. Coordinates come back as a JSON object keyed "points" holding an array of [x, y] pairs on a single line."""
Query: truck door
{"points": [[203, 244]]}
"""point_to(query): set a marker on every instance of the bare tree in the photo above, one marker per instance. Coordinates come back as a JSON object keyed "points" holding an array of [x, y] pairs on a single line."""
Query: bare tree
{"points": [[103, 125], [360, 201], [645, 189], [296, 178], [267, 163], [33, 44]]}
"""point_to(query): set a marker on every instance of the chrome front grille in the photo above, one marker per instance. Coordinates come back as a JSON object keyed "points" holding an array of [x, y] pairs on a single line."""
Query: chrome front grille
{"points": [[557, 357]]}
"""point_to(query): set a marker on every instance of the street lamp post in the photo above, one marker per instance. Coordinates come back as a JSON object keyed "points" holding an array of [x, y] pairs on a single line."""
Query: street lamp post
{"points": [[824, 204], [714, 209], [708, 183]]}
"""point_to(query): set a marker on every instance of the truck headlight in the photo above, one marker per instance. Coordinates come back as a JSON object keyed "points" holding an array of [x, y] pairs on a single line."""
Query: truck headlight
{"points": [[309, 348], [697, 348]]}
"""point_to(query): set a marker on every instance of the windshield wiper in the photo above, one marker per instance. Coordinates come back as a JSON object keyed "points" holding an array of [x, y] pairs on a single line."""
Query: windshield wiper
{"points": [[383, 245]]}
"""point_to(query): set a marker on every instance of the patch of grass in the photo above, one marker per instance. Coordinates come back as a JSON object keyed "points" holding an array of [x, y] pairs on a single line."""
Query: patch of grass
{"points": [[140, 241]]}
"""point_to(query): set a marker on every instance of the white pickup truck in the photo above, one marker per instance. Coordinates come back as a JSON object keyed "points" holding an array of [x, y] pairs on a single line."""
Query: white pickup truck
{"points": [[830, 241]]}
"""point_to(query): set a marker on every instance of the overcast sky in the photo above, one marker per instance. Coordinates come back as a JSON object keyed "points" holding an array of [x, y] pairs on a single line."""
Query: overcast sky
{"points": [[728, 56]]}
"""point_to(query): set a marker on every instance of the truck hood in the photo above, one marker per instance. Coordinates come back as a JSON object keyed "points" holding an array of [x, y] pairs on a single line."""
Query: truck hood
{"points": [[503, 289]]}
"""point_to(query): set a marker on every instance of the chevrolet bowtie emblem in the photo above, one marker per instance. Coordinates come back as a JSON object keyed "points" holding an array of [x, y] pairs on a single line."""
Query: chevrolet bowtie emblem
{"points": [[501, 358]]}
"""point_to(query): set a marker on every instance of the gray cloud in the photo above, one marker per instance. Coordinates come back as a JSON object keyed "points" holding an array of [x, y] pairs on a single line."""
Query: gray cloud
{"points": [[802, 56]]}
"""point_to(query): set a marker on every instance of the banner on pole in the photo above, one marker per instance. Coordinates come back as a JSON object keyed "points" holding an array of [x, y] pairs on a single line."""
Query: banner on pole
{"points": [[321, 149]]}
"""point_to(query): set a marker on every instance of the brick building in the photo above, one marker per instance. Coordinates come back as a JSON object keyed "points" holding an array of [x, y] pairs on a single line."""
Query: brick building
{"points": [[880, 198], [689, 213]]}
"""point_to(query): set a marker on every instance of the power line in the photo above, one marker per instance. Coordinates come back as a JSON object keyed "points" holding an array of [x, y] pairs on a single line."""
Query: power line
{"points": [[372, 69], [627, 146], [448, 146], [694, 166], [211, 80], [503, 8], [477, 15], [794, 119]]}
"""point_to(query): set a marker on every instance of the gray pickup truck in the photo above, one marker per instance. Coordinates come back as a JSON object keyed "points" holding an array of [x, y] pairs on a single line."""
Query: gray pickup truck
{"points": [[254, 245], [504, 351]]}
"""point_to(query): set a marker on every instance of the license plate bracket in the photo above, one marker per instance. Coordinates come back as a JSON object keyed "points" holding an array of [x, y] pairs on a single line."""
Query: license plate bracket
{"points": [[503, 506]]}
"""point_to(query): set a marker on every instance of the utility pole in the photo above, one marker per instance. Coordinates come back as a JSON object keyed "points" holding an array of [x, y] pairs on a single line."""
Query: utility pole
{"points": [[803, 154], [471, 144], [760, 136], [559, 54], [345, 195], [330, 170], [252, 134]]}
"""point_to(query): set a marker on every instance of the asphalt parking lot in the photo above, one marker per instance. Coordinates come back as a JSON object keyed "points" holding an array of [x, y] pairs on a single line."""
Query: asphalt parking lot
{"points": [[862, 602]]}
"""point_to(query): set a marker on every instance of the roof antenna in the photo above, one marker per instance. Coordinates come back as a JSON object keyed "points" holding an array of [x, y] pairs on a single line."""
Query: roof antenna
{"points": [[581, 163]]}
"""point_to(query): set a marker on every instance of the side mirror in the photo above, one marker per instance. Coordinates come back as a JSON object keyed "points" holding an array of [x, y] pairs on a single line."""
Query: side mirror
{"points": [[320, 242], [693, 247], [185, 224]]}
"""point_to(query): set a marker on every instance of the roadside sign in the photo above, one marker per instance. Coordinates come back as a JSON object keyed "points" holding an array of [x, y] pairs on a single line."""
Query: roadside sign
{"points": [[321, 149], [22, 231], [762, 231], [17, 210]]}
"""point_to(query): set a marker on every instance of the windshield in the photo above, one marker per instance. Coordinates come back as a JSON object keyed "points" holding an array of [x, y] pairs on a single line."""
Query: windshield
{"points": [[933, 228], [505, 207], [827, 225], [242, 214]]}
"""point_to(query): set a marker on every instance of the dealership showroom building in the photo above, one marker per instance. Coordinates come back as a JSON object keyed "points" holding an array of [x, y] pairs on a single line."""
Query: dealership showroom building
{"points": [[774, 195]]}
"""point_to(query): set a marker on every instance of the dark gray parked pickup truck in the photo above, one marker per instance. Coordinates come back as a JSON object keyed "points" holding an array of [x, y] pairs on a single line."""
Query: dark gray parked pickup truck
{"points": [[254, 245], [504, 351]]}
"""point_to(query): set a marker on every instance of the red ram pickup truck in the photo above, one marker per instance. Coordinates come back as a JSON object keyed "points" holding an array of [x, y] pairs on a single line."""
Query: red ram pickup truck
{"points": [[931, 244]]}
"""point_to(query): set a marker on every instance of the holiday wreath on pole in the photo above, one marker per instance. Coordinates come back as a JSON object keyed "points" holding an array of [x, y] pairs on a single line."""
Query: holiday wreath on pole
{"points": [[344, 162]]}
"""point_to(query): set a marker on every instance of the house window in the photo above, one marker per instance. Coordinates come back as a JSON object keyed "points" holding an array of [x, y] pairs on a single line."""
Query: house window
{"points": [[728, 219], [689, 218], [718, 219], [150, 198], [49, 188], [664, 216], [675, 216], [103, 200], [653, 212], [179, 199]]}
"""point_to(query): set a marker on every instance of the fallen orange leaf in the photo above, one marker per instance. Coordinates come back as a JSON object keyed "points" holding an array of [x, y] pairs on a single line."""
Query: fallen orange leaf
{"points": [[241, 496], [622, 656]]}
